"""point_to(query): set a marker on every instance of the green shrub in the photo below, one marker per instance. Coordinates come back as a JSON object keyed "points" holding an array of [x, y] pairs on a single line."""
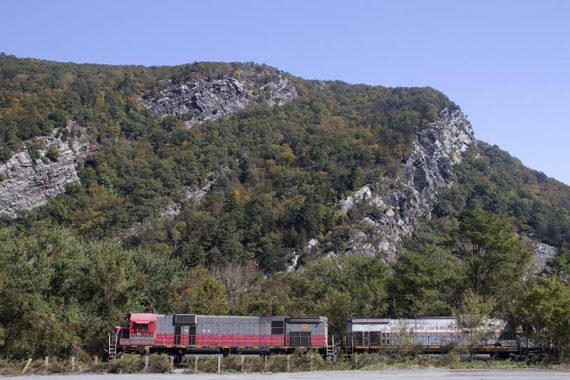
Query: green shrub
{"points": [[367, 361], [453, 357], [159, 363], [253, 364], [307, 362], [231, 363], [277, 363], [34, 148], [53, 153], [129, 363], [207, 364]]}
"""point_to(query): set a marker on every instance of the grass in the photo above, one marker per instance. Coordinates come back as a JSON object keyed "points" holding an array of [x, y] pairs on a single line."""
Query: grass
{"points": [[124, 364], [276, 363]]}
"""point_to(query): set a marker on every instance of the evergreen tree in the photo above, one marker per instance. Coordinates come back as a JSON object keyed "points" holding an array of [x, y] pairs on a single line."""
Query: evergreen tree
{"points": [[494, 258], [544, 311]]}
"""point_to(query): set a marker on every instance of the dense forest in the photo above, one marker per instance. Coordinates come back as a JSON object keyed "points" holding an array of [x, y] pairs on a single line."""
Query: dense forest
{"points": [[274, 177]]}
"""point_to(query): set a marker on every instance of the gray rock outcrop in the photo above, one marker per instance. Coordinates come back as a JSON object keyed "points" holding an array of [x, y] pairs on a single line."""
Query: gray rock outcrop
{"points": [[31, 177], [194, 195], [294, 262], [202, 99], [542, 253], [428, 169], [436, 149]]}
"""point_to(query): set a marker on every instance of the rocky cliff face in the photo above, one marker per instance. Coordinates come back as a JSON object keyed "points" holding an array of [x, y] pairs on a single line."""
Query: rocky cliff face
{"points": [[40, 171], [427, 170], [542, 254], [201, 100], [436, 149]]}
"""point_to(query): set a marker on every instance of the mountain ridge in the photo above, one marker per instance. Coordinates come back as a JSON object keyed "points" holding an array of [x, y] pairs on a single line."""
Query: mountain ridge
{"points": [[206, 91]]}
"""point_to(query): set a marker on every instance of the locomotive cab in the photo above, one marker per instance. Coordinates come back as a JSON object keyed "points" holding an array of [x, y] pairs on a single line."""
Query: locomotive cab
{"points": [[142, 325], [140, 329]]}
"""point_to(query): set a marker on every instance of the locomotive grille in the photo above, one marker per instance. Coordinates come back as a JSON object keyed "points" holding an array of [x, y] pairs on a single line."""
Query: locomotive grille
{"points": [[184, 319], [300, 339]]}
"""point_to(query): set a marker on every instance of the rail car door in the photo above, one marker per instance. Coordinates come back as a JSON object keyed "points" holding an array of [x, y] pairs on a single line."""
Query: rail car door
{"points": [[184, 329], [177, 335], [192, 335], [185, 334]]}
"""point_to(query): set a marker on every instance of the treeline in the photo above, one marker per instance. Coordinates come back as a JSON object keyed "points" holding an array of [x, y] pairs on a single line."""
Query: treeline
{"points": [[61, 295]]}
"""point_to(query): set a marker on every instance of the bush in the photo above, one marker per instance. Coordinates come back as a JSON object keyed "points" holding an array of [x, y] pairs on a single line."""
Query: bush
{"points": [[368, 361], [53, 153], [450, 358], [273, 363], [251, 363], [207, 364], [308, 362], [128, 363], [231, 363], [254, 364], [277, 363], [34, 149], [9, 367], [159, 364]]}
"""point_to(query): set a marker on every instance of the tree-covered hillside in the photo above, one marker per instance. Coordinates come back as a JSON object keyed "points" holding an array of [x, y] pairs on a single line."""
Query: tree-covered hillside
{"points": [[493, 180], [205, 217], [276, 173]]}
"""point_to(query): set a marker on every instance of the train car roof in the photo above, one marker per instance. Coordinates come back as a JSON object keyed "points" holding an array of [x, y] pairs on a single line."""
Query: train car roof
{"points": [[388, 320], [142, 318]]}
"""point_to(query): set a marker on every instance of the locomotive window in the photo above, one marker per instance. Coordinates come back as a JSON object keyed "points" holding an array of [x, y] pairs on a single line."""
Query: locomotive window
{"points": [[375, 338], [141, 327], [357, 338], [277, 328]]}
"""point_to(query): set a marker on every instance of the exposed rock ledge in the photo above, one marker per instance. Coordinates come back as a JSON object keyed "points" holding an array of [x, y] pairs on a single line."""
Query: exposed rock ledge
{"points": [[194, 195], [201, 100], [542, 253], [28, 182], [425, 172], [428, 169]]}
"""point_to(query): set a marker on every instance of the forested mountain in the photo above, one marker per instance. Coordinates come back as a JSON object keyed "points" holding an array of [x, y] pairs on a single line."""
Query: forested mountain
{"points": [[237, 188]]}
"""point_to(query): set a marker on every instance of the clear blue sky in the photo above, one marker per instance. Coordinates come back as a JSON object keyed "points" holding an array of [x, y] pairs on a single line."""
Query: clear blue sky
{"points": [[506, 63]]}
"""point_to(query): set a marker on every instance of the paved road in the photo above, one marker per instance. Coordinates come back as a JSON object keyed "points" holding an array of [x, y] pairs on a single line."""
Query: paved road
{"points": [[396, 374]]}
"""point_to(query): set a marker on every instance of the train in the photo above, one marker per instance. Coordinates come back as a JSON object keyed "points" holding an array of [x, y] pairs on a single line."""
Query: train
{"points": [[185, 334], [429, 335]]}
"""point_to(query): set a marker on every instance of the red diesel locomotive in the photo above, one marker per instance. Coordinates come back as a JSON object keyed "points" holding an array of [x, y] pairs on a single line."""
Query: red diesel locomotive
{"points": [[180, 334]]}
